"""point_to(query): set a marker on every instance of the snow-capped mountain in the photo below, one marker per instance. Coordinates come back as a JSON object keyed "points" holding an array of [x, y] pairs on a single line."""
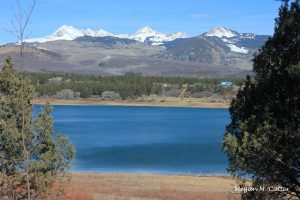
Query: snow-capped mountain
{"points": [[221, 32], [66, 32], [145, 34], [242, 43]]}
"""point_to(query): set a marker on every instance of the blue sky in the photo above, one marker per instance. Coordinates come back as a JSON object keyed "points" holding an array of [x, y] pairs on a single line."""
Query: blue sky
{"points": [[126, 16]]}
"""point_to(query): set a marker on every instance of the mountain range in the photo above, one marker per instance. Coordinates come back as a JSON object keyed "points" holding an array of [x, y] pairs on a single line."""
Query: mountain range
{"points": [[144, 34], [218, 52]]}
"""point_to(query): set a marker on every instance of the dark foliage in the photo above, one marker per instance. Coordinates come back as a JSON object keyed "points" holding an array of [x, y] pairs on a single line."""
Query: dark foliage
{"points": [[263, 138]]}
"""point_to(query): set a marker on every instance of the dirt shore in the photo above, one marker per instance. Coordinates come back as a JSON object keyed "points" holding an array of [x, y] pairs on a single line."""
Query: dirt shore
{"points": [[166, 102], [150, 187]]}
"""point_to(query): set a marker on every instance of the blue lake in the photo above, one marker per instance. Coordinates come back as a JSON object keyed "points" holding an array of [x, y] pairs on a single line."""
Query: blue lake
{"points": [[144, 139]]}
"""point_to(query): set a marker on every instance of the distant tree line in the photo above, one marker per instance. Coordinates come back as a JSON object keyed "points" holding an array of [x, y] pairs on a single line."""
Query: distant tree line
{"points": [[127, 86]]}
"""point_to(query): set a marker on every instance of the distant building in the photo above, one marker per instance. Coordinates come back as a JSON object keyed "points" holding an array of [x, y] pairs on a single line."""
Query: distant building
{"points": [[236, 87], [65, 94], [225, 83], [56, 80]]}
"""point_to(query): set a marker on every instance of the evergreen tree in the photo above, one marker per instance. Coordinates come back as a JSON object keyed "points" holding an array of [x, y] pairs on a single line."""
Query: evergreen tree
{"points": [[263, 138], [49, 155]]}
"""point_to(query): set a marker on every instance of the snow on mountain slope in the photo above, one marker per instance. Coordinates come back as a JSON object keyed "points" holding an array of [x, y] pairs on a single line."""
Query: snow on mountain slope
{"points": [[154, 37], [221, 32], [231, 44], [99, 33], [177, 35], [230, 38], [70, 33], [237, 49]]}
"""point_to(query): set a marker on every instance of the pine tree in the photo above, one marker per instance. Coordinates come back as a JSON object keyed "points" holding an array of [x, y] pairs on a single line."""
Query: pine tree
{"points": [[263, 138], [50, 154]]}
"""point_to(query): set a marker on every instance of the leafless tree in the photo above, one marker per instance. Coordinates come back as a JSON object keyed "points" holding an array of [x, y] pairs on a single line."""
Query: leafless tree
{"points": [[21, 18]]}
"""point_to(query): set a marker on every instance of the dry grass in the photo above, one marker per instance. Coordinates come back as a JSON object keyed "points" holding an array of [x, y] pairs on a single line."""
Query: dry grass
{"points": [[149, 187], [85, 186]]}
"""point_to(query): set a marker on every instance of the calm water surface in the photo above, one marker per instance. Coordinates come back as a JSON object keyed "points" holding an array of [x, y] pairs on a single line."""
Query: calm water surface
{"points": [[144, 139]]}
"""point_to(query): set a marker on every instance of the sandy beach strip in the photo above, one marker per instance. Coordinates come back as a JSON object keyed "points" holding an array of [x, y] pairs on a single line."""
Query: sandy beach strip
{"points": [[169, 102]]}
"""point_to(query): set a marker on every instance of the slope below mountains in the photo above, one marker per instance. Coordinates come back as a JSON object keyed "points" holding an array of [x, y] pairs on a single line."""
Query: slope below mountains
{"points": [[220, 52]]}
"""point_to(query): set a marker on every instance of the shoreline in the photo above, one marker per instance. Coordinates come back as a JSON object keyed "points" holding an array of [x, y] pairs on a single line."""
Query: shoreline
{"points": [[169, 102], [150, 174], [153, 173]]}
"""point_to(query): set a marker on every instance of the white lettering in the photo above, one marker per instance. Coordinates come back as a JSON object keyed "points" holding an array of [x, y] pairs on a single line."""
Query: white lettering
{"points": [[261, 188]]}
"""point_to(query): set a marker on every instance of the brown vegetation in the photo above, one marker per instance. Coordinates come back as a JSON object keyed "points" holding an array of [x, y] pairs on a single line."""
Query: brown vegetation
{"points": [[67, 191]]}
